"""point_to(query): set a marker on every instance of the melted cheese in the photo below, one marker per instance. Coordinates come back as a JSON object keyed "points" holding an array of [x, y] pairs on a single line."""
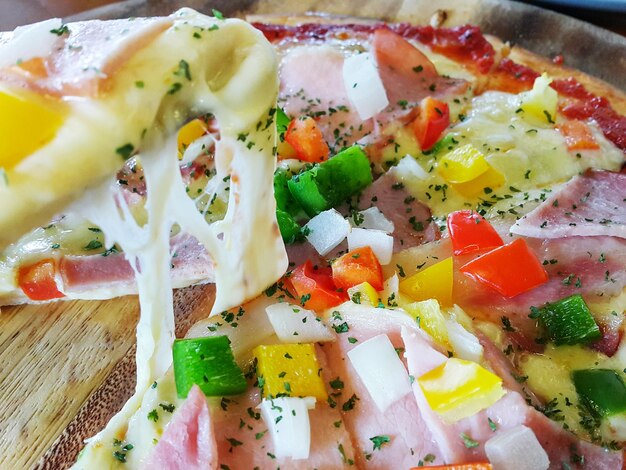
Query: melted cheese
{"points": [[528, 154]]}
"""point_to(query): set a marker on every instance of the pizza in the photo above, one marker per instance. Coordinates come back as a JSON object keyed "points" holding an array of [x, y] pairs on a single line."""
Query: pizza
{"points": [[453, 211]]}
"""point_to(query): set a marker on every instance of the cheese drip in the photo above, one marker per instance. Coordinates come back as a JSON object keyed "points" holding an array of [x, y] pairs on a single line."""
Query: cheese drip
{"points": [[245, 246]]}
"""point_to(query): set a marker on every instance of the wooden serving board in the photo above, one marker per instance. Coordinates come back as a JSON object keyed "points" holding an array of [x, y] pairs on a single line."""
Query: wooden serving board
{"points": [[67, 367]]}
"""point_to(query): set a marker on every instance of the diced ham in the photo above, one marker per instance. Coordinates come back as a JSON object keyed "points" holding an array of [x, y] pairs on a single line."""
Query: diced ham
{"points": [[89, 56], [188, 440], [409, 438], [591, 204], [411, 218], [105, 276], [503, 367], [407, 74]]}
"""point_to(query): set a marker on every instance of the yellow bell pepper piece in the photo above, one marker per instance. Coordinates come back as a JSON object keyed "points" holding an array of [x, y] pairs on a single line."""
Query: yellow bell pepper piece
{"points": [[189, 133], [458, 389], [364, 292], [429, 317], [434, 282], [491, 178], [27, 123], [539, 104], [462, 164], [289, 369]]}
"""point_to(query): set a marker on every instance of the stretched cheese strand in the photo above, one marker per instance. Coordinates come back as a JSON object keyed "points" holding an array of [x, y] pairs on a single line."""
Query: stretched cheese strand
{"points": [[242, 269]]}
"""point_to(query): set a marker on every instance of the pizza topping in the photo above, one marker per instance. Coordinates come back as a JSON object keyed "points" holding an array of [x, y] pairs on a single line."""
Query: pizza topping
{"points": [[289, 370], [567, 321], [380, 243], [430, 318], [364, 85], [602, 390], [38, 281], [471, 233], [208, 363], [432, 120], [357, 266], [433, 282], [539, 104], [384, 376], [411, 218], [458, 389], [327, 185], [315, 288], [307, 140], [410, 78], [517, 448], [287, 419], [591, 204], [294, 324], [189, 439], [326, 231], [577, 135], [27, 123], [510, 270]]}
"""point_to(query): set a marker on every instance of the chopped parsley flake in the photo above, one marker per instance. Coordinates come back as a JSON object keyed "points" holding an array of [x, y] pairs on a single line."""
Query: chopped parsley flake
{"points": [[379, 441], [468, 441]]}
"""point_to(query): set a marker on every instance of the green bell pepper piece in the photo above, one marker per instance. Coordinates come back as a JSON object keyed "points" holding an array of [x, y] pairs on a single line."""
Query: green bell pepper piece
{"points": [[601, 390], [330, 183], [209, 363], [567, 321], [282, 123], [289, 228]]}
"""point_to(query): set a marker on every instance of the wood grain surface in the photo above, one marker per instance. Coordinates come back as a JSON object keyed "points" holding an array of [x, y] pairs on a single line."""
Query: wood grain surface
{"points": [[68, 366], [53, 357]]}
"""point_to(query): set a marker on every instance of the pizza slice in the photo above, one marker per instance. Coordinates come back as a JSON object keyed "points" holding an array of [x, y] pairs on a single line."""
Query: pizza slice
{"points": [[87, 99]]}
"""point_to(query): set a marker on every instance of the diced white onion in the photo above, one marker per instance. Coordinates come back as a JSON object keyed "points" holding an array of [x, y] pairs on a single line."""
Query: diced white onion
{"points": [[33, 40], [516, 449], [294, 324], [465, 344], [374, 219], [364, 86], [380, 243], [408, 168], [291, 434], [327, 230], [381, 371]]}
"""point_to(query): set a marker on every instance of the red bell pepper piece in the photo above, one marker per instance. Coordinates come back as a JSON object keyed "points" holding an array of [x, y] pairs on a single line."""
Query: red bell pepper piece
{"points": [[470, 233], [510, 269], [358, 266], [307, 140], [432, 120], [38, 281], [315, 287]]}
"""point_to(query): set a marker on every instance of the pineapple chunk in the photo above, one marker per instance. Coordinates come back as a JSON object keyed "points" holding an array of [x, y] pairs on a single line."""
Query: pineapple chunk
{"points": [[539, 104]]}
